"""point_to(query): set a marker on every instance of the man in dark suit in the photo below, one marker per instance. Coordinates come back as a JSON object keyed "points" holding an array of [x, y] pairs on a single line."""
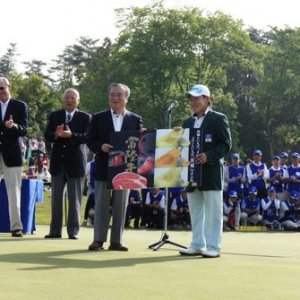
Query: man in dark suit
{"points": [[66, 131], [205, 201], [13, 116], [117, 118]]}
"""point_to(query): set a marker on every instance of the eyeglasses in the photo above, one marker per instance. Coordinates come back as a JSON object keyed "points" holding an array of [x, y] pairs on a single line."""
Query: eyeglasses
{"points": [[2, 88]]}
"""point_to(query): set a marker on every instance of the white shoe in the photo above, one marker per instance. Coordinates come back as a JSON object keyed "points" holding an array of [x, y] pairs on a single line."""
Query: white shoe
{"points": [[210, 253], [190, 252]]}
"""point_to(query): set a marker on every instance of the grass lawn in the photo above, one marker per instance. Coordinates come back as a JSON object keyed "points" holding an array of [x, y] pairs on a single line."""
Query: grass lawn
{"points": [[43, 210], [253, 266]]}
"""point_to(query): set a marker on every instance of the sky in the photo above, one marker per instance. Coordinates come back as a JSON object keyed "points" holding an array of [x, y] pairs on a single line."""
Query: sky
{"points": [[43, 28]]}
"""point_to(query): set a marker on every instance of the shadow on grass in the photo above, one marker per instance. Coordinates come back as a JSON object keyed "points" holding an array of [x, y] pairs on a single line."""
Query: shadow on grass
{"points": [[93, 260]]}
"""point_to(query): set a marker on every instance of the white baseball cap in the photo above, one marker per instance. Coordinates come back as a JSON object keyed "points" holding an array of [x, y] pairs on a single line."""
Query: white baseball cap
{"points": [[199, 90]]}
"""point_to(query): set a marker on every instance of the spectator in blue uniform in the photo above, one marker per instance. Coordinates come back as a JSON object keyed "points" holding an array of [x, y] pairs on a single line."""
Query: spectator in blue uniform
{"points": [[154, 210], [284, 158], [231, 211], [235, 176], [270, 209], [257, 174], [294, 173], [134, 209], [277, 177], [290, 212], [180, 214], [250, 208]]}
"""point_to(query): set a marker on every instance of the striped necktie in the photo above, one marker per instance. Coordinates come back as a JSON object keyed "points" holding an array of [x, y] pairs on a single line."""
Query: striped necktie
{"points": [[68, 119]]}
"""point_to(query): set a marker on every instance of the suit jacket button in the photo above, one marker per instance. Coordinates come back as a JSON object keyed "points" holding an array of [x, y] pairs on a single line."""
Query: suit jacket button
{"points": [[64, 146], [62, 155]]}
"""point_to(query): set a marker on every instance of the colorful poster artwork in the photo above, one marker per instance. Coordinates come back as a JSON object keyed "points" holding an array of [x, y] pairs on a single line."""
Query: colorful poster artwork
{"points": [[158, 158]]}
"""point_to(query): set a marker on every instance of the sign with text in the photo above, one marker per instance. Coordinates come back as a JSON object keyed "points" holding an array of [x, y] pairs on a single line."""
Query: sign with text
{"points": [[158, 158]]}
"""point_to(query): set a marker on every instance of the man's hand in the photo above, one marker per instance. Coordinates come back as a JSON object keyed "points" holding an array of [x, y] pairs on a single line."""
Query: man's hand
{"points": [[9, 123], [201, 158], [106, 147], [63, 131]]}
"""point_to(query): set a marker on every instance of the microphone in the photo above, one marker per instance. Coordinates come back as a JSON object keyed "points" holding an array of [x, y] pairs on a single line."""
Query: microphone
{"points": [[172, 105]]}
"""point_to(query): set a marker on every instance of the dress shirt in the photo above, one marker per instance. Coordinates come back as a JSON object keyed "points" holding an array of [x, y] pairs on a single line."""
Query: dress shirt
{"points": [[3, 108], [117, 120], [198, 121]]}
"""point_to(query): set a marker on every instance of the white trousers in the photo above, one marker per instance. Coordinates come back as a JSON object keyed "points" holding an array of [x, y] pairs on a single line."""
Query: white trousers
{"points": [[13, 181], [206, 210]]}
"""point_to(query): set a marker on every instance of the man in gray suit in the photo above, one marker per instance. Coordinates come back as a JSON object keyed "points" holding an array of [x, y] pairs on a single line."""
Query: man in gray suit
{"points": [[13, 126], [66, 130], [116, 118], [206, 201]]}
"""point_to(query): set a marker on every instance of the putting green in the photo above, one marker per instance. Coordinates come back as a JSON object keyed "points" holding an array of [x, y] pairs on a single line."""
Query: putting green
{"points": [[256, 266]]}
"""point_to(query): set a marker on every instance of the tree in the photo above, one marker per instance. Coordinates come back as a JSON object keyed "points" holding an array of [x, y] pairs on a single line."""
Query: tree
{"points": [[40, 97], [8, 60], [35, 67], [72, 65], [163, 52], [278, 92]]}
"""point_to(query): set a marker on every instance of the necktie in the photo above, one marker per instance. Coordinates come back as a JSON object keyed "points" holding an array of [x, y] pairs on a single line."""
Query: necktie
{"points": [[68, 119]]}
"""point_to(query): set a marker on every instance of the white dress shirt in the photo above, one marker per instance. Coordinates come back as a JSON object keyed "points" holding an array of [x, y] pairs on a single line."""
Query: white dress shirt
{"points": [[4, 108], [117, 119]]}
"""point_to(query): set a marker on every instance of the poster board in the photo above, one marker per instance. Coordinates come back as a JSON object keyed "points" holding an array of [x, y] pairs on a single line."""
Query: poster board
{"points": [[156, 158]]}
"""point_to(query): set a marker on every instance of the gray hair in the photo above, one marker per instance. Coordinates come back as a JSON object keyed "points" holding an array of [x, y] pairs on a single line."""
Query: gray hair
{"points": [[121, 85], [71, 90], [2, 78]]}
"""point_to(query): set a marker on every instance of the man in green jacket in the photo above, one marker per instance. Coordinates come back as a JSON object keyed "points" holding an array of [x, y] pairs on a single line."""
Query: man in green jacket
{"points": [[206, 201]]}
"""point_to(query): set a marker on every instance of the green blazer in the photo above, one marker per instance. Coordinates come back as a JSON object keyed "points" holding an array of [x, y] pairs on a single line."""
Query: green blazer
{"points": [[216, 143]]}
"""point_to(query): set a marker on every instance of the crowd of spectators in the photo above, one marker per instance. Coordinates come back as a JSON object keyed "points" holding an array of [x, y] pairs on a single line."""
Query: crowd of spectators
{"points": [[255, 194], [36, 159]]}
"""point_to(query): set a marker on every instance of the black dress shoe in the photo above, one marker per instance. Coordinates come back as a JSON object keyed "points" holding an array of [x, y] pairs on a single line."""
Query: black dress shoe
{"points": [[117, 247], [73, 237], [96, 246], [17, 233], [52, 236]]}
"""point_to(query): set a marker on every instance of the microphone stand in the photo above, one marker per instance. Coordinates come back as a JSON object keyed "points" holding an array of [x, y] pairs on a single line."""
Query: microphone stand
{"points": [[164, 239]]}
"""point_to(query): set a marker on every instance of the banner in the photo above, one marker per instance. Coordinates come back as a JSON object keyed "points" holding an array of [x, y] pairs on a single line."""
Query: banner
{"points": [[158, 158]]}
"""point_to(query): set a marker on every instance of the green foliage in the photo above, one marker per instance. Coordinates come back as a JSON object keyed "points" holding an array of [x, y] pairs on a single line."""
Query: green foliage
{"points": [[160, 53], [277, 95], [41, 99]]}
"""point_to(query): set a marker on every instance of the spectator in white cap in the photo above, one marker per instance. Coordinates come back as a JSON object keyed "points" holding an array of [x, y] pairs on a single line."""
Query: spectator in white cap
{"points": [[206, 201]]}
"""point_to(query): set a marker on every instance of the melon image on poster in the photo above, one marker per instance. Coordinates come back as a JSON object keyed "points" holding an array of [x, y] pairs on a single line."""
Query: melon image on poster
{"points": [[170, 138]]}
